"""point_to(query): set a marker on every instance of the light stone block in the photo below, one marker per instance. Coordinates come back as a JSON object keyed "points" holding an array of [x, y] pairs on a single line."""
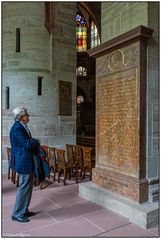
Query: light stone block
{"points": [[134, 16], [150, 120], [153, 166], [113, 11], [145, 215], [66, 76], [154, 193], [150, 146], [121, 17]]}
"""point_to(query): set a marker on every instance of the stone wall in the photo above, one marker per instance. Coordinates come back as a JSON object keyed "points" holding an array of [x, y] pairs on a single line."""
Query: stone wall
{"points": [[153, 93], [153, 119], [120, 17], [63, 63], [51, 57]]}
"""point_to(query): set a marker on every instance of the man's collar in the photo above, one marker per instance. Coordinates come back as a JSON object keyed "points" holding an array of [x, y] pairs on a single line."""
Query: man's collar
{"points": [[25, 125]]}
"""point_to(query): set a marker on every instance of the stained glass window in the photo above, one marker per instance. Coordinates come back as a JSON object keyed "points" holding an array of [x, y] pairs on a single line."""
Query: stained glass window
{"points": [[81, 33], [95, 40], [81, 71]]}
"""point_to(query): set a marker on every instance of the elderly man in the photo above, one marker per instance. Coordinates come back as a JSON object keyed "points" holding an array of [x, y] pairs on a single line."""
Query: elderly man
{"points": [[23, 146]]}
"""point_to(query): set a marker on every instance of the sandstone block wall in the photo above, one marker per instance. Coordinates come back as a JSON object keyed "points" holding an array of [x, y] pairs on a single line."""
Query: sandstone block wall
{"points": [[120, 17], [51, 57]]}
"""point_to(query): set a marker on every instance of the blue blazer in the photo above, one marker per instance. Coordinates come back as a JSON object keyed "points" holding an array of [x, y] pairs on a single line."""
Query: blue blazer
{"points": [[22, 149]]}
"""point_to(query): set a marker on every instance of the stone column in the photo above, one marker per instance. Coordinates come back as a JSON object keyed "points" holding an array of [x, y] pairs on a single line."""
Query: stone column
{"points": [[121, 114]]}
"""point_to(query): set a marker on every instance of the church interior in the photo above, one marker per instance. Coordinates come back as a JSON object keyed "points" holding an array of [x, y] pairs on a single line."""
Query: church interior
{"points": [[88, 73]]}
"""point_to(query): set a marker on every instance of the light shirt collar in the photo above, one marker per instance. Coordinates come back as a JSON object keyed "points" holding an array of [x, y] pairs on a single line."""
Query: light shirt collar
{"points": [[27, 129], [24, 125]]}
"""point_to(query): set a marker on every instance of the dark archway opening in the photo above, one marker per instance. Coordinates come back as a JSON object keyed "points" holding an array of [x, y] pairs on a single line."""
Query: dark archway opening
{"points": [[90, 13]]}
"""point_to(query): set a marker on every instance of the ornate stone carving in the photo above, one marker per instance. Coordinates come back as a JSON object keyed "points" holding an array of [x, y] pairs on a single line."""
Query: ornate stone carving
{"points": [[123, 58]]}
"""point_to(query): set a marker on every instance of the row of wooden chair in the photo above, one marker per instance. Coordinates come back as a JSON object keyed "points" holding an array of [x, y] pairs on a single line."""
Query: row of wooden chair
{"points": [[74, 161], [58, 163], [81, 156]]}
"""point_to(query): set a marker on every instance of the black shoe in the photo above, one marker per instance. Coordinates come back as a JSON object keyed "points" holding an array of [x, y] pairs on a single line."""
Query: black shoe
{"points": [[20, 219], [30, 214]]}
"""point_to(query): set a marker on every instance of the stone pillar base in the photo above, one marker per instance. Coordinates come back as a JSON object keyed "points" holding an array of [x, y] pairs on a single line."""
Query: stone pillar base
{"points": [[145, 215], [127, 186]]}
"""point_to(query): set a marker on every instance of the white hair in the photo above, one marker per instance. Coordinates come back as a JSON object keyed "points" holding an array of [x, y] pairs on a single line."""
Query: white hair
{"points": [[18, 112]]}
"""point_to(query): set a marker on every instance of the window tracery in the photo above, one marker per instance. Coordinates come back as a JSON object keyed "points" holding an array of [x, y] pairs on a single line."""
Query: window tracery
{"points": [[95, 40], [81, 71]]}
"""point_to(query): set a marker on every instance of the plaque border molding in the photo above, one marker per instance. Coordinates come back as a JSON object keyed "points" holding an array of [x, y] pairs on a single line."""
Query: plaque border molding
{"points": [[138, 33]]}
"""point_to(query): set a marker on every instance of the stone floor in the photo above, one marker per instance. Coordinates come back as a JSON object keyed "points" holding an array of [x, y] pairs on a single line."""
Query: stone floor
{"points": [[61, 212]]}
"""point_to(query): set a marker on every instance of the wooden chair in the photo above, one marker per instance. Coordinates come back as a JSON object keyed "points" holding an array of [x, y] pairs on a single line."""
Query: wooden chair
{"points": [[70, 153], [65, 166], [9, 158], [74, 156], [87, 160], [51, 158], [78, 157], [12, 173], [45, 147]]}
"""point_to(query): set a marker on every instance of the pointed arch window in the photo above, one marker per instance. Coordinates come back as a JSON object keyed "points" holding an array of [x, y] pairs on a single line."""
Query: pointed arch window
{"points": [[81, 33], [95, 40]]}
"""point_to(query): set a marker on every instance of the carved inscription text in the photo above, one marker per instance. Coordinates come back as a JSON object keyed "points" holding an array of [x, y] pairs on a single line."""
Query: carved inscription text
{"points": [[117, 121]]}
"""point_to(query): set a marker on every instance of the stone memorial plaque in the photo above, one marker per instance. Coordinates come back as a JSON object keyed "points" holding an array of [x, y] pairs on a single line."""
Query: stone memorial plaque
{"points": [[117, 125], [65, 98], [121, 114]]}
